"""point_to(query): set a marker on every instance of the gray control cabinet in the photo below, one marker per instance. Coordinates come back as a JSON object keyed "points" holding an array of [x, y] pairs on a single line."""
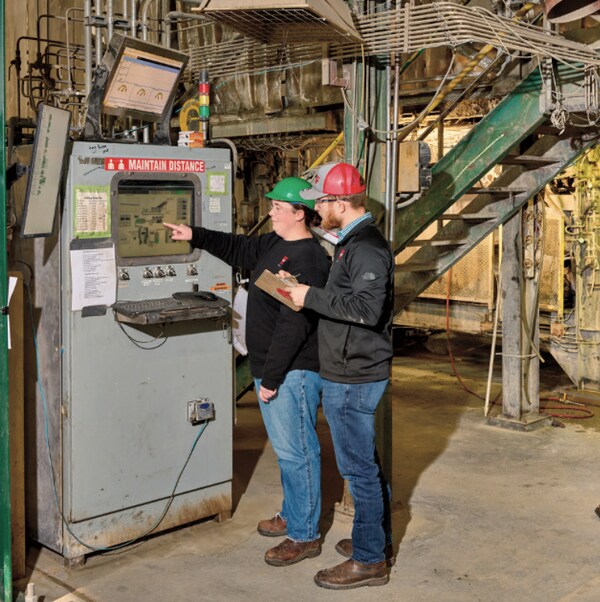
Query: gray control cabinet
{"points": [[116, 393]]}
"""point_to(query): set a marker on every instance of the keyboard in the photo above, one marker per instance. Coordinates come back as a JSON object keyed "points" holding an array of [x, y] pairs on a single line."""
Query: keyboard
{"points": [[169, 309]]}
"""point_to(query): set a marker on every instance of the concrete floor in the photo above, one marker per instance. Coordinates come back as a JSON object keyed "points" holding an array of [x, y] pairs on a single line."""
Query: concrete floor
{"points": [[482, 513]]}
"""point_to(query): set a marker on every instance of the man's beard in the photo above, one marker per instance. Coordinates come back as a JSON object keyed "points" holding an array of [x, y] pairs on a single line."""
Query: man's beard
{"points": [[330, 222]]}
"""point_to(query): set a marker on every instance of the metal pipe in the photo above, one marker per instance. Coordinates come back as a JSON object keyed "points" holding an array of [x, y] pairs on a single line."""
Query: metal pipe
{"points": [[165, 8], [350, 141], [144, 18], [369, 108], [87, 44], [440, 141], [144, 15], [173, 16], [39, 39], [134, 18], [133, 30], [394, 161], [388, 148], [388, 202], [68, 45], [110, 18], [167, 24], [98, 6]]}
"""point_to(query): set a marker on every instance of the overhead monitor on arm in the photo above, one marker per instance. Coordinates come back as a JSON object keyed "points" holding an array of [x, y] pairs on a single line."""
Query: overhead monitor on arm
{"points": [[136, 80]]}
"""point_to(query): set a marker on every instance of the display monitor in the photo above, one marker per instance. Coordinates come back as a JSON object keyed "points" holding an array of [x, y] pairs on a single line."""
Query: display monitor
{"points": [[143, 80], [142, 207], [45, 171]]}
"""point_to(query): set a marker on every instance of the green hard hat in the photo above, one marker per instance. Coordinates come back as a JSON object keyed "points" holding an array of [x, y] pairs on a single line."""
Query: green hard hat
{"points": [[288, 191]]}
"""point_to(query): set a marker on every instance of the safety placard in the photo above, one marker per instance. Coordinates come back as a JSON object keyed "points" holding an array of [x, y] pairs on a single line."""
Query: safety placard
{"points": [[91, 212], [152, 164]]}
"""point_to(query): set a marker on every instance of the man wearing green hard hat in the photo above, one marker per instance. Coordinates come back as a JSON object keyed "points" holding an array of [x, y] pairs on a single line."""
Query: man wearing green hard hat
{"points": [[284, 360]]}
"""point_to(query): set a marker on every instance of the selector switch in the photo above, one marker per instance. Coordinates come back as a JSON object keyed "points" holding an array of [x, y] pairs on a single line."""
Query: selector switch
{"points": [[171, 271], [123, 274], [191, 270], [159, 272], [147, 273]]}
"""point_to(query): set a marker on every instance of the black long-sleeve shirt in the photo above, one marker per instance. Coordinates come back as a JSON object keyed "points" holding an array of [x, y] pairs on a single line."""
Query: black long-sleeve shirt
{"points": [[278, 338]]}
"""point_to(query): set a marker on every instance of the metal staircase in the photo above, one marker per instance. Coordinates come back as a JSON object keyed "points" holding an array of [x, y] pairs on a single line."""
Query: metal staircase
{"points": [[516, 134], [517, 122]]}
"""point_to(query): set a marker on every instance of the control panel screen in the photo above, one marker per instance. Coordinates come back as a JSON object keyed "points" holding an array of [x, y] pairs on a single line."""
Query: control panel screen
{"points": [[142, 209], [143, 80]]}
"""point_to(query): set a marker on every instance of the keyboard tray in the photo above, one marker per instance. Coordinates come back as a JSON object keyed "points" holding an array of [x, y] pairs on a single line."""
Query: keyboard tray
{"points": [[168, 309]]}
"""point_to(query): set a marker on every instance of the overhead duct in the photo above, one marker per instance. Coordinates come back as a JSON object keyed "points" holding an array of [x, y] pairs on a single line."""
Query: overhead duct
{"points": [[281, 21], [563, 11]]}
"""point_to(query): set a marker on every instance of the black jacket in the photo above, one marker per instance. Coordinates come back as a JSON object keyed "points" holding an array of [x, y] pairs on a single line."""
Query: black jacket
{"points": [[356, 307], [278, 338]]}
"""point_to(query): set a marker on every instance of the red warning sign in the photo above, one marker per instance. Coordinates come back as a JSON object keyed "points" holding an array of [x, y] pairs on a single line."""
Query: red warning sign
{"points": [[150, 164]]}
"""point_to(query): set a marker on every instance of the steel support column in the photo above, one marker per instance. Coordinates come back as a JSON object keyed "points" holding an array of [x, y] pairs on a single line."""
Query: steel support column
{"points": [[520, 335], [376, 192]]}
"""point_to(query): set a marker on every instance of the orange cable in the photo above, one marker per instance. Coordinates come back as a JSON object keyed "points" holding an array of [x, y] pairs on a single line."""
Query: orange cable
{"points": [[460, 380]]}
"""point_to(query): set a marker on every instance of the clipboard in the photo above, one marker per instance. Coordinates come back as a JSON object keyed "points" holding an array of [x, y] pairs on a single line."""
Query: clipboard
{"points": [[275, 286]]}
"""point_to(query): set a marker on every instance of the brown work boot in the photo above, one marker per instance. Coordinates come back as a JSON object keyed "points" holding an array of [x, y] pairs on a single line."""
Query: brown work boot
{"points": [[351, 574], [344, 547], [290, 551], [273, 527]]}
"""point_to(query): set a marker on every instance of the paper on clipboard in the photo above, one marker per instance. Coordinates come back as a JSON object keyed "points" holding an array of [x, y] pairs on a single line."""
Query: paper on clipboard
{"points": [[275, 286]]}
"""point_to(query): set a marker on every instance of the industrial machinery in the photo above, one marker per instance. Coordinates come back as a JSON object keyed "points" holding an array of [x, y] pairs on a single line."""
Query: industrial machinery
{"points": [[122, 358], [130, 407]]}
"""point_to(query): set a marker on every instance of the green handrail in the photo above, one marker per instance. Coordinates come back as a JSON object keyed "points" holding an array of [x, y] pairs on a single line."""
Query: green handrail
{"points": [[5, 543]]}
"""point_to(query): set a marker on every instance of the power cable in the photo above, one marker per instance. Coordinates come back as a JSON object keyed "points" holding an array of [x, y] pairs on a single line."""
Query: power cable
{"points": [[141, 344]]}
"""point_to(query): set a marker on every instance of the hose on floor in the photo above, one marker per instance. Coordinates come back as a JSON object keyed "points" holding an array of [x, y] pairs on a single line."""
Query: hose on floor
{"points": [[584, 411]]}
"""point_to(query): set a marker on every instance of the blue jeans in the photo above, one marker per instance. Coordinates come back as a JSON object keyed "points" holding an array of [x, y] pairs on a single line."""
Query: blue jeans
{"points": [[290, 419], [350, 412]]}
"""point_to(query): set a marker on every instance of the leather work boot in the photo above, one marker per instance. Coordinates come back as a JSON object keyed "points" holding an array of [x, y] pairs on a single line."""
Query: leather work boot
{"points": [[290, 551], [351, 574], [344, 547], [273, 527]]}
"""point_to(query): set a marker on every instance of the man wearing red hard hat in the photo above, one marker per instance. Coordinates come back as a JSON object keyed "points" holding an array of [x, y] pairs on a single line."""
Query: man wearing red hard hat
{"points": [[355, 351]]}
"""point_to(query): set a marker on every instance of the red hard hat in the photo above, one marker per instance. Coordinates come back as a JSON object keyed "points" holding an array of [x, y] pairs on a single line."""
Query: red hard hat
{"points": [[335, 179]]}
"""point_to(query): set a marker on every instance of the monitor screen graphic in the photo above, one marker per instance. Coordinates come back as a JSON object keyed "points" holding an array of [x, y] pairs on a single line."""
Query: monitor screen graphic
{"points": [[142, 209]]}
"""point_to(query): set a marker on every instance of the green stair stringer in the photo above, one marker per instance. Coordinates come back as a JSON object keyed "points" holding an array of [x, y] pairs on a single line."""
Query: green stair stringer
{"points": [[509, 123], [560, 151]]}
